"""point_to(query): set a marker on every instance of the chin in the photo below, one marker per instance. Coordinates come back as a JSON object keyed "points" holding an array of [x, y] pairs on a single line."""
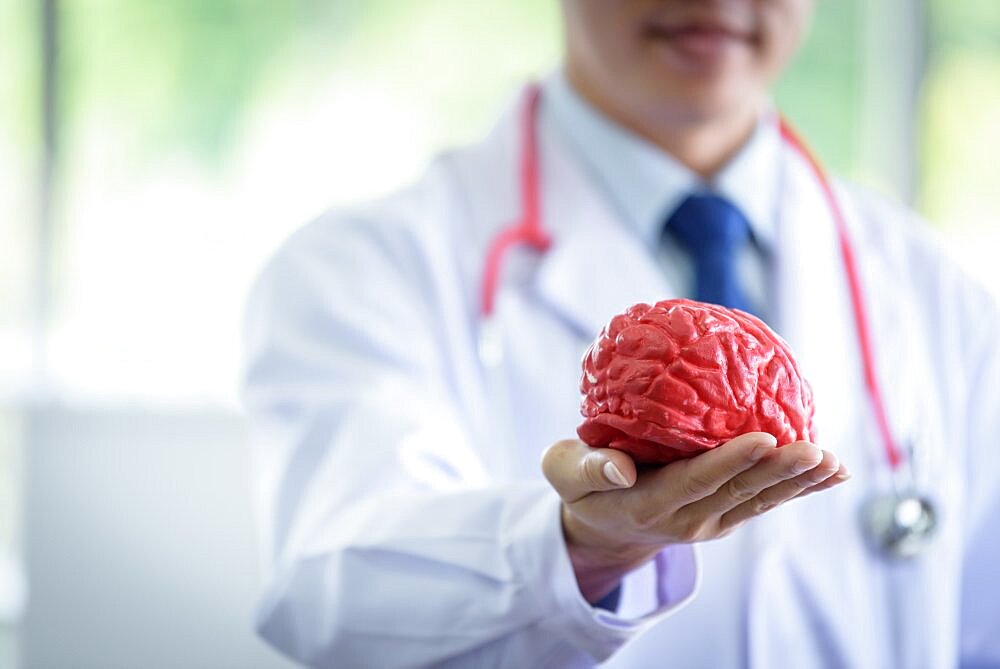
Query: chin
{"points": [[696, 104]]}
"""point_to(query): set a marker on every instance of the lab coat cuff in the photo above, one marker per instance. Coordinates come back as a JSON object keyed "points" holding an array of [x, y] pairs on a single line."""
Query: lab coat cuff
{"points": [[596, 631]]}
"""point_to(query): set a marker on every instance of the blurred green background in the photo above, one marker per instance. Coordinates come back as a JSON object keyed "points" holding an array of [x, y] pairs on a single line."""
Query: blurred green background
{"points": [[146, 175]]}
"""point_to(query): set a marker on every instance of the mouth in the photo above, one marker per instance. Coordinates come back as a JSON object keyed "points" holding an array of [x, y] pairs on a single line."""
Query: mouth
{"points": [[706, 40]]}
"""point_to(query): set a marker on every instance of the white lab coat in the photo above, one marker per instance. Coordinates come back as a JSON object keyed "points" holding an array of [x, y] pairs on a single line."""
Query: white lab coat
{"points": [[404, 520]]}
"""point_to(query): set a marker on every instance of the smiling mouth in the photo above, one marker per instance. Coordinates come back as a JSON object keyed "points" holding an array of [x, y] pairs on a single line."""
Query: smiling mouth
{"points": [[701, 40], [712, 28]]}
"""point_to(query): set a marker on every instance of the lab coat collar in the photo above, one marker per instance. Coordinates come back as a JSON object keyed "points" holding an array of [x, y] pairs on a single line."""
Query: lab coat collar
{"points": [[813, 311], [644, 184], [752, 179]]}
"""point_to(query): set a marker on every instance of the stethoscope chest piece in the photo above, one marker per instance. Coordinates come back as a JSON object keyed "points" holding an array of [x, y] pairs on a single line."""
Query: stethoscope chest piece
{"points": [[900, 525]]}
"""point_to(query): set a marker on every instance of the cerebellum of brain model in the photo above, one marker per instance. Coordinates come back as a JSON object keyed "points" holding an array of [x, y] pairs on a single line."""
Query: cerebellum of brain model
{"points": [[677, 378]]}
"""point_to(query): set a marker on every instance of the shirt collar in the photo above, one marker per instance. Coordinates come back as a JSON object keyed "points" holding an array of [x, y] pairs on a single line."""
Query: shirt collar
{"points": [[645, 184]]}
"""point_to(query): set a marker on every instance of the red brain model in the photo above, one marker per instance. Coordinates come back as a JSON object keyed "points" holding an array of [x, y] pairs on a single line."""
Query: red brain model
{"points": [[672, 380]]}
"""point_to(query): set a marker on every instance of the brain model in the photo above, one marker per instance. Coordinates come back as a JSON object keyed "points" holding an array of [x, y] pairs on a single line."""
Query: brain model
{"points": [[674, 379]]}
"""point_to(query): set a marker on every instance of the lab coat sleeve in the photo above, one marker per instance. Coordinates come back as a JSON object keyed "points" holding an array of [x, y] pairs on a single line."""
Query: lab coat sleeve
{"points": [[980, 618], [385, 540]]}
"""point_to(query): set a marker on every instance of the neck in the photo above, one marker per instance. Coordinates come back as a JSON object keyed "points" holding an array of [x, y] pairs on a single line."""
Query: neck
{"points": [[702, 143], [703, 146]]}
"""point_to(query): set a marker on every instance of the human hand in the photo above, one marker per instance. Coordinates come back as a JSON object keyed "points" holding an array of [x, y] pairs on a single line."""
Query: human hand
{"points": [[615, 519]]}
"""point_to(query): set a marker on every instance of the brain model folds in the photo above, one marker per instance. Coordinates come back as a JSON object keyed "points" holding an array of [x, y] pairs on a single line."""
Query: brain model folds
{"points": [[674, 379]]}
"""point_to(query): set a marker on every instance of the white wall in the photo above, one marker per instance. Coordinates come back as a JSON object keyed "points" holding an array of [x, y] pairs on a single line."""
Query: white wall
{"points": [[139, 542]]}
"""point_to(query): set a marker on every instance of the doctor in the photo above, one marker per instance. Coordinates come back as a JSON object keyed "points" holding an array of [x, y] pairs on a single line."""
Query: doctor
{"points": [[400, 411]]}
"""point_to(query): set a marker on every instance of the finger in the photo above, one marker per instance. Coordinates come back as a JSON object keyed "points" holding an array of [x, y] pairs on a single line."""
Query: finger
{"points": [[781, 492], [681, 483], [575, 469], [842, 475], [787, 462]]}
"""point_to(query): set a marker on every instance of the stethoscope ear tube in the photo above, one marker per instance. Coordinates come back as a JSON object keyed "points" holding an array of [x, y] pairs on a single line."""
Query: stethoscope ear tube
{"points": [[892, 452], [528, 229]]}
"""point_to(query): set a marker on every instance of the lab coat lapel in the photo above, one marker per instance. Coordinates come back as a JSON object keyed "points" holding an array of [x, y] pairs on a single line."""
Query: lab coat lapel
{"points": [[800, 555], [598, 265], [548, 306], [813, 307]]}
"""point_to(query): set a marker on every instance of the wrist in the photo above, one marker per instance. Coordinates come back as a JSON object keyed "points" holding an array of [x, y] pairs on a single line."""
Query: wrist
{"points": [[600, 562]]}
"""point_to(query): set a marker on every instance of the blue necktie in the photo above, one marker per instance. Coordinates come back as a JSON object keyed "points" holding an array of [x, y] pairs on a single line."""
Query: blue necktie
{"points": [[712, 230]]}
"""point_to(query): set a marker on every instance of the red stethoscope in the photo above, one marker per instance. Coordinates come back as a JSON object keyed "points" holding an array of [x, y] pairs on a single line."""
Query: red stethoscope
{"points": [[898, 523]]}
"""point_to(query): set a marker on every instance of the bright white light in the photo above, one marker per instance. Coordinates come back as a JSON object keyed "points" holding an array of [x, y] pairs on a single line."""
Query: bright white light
{"points": [[160, 263]]}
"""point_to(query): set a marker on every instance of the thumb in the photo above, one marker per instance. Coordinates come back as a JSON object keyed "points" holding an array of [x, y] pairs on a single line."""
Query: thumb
{"points": [[576, 470]]}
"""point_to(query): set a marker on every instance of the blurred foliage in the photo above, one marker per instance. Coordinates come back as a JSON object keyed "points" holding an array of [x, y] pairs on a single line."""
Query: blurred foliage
{"points": [[181, 69], [965, 24], [463, 60], [185, 72]]}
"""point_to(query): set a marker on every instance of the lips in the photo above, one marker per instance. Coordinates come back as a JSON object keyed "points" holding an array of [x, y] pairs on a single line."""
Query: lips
{"points": [[703, 39], [706, 28]]}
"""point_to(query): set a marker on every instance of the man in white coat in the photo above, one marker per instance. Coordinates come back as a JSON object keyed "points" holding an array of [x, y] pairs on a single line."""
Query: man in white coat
{"points": [[405, 520]]}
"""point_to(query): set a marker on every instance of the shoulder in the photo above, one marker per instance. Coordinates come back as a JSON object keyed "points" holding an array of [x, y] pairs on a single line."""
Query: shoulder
{"points": [[893, 234], [430, 234], [452, 210], [406, 257], [880, 223], [386, 237], [342, 289], [389, 224]]}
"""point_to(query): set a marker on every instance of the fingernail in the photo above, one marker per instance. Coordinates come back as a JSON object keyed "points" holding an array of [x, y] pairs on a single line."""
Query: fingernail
{"points": [[615, 475], [844, 475]]}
